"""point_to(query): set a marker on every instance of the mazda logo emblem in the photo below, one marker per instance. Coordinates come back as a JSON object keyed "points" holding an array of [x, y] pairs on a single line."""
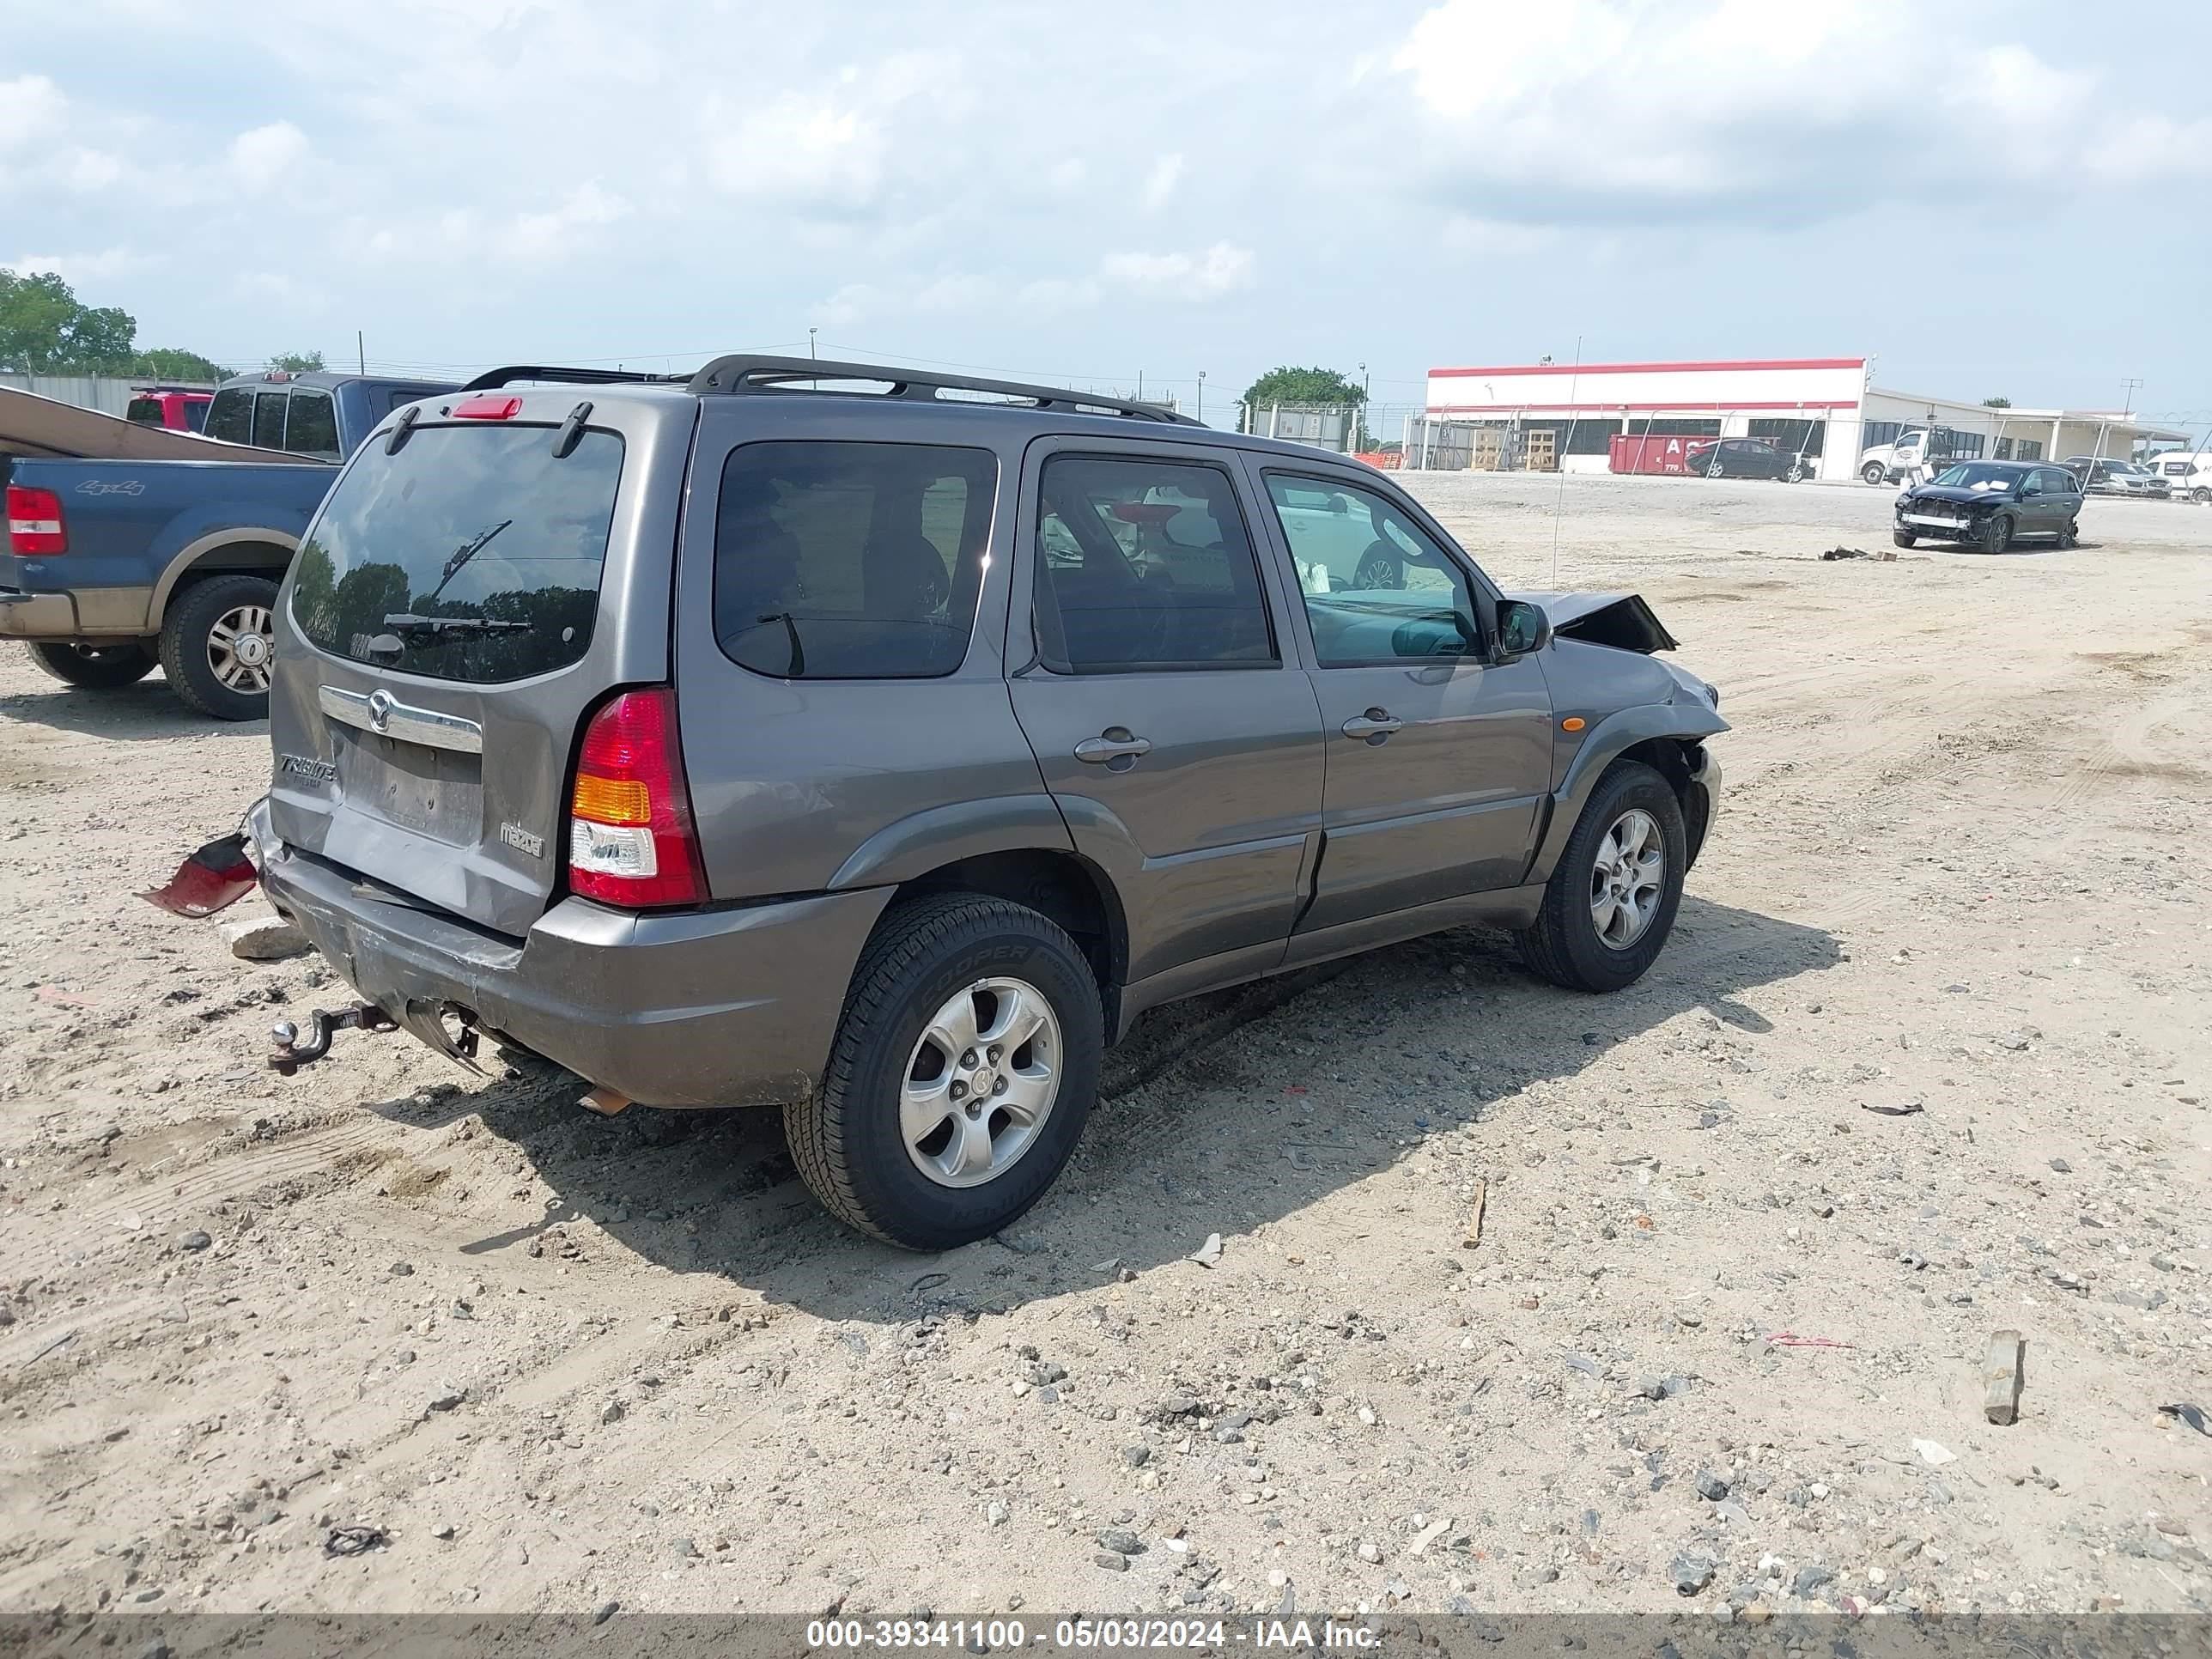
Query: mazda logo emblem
{"points": [[380, 708]]}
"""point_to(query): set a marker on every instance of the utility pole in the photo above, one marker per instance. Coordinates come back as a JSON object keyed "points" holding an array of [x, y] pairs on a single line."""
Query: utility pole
{"points": [[1201, 397], [811, 333], [1359, 414], [360, 352], [2132, 383]]}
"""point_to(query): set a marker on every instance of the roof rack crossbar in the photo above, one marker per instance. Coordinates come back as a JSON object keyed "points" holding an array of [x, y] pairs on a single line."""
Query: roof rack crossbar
{"points": [[743, 373], [493, 379]]}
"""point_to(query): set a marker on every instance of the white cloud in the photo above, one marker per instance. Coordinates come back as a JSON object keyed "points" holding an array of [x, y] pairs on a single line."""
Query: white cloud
{"points": [[1220, 270], [77, 268], [559, 229], [1614, 110], [264, 155], [1160, 184], [31, 108], [799, 147]]}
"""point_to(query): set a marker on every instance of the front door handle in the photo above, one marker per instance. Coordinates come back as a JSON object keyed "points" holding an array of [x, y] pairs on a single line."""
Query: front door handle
{"points": [[1372, 726], [1115, 743]]}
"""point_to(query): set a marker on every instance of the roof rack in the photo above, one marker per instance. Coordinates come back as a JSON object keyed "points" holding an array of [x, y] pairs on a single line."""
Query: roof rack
{"points": [[492, 379], [746, 373]]}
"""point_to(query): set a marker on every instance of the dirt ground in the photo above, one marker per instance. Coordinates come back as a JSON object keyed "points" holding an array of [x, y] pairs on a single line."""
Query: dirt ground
{"points": [[1964, 865]]}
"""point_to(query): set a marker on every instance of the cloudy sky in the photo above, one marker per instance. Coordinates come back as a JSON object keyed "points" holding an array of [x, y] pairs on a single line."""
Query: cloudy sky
{"points": [[1992, 197]]}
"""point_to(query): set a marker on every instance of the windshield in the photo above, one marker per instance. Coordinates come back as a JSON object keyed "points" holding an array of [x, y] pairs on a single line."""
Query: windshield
{"points": [[1972, 475], [473, 554]]}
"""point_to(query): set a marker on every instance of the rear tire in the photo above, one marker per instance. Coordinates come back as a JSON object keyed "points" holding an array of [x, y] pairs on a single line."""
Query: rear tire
{"points": [[1995, 533], [881, 1142], [95, 667], [2201, 496], [1564, 945], [215, 643], [1904, 539], [2069, 536]]}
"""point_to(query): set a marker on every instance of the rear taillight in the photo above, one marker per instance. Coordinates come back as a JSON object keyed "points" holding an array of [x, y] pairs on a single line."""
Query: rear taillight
{"points": [[34, 521], [631, 841]]}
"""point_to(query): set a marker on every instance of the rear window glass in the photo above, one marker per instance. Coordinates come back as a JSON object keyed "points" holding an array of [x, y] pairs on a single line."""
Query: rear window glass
{"points": [[269, 419], [313, 429], [473, 554], [230, 416], [851, 561], [143, 412]]}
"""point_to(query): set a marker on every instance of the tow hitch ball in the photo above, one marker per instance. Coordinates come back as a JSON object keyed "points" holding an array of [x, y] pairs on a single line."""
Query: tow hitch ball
{"points": [[293, 1051]]}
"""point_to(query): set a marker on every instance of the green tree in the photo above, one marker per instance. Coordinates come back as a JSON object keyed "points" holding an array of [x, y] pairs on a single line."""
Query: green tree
{"points": [[45, 329], [1997, 402], [1322, 388], [173, 363], [298, 362]]}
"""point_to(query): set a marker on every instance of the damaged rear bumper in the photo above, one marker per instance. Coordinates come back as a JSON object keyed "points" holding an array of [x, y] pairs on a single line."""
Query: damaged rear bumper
{"points": [[726, 1007]]}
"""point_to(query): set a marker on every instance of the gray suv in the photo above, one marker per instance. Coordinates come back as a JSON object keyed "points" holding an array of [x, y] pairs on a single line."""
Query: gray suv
{"points": [[880, 746]]}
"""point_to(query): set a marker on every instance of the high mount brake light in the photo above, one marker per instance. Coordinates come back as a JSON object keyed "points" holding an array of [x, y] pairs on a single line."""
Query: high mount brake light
{"points": [[487, 406]]}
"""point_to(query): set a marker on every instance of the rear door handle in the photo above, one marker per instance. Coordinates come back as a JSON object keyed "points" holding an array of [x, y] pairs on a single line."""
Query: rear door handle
{"points": [[1115, 743], [1372, 726]]}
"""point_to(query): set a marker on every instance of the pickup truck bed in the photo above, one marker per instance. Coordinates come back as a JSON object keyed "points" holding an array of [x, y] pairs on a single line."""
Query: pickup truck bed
{"points": [[113, 566]]}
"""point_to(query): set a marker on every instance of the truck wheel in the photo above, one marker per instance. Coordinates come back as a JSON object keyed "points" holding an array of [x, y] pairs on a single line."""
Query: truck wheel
{"points": [[1874, 472], [964, 1064], [1903, 538], [215, 646], [1995, 533], [95, 667], [1609, 906]]}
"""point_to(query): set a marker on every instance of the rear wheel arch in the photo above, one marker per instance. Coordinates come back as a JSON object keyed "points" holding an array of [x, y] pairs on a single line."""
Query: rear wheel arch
{"points": [[265, 553], [1068, 889]]}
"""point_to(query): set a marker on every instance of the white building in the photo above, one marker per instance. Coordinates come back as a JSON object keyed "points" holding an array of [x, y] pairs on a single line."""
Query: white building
{"points": [[1827, 406]]}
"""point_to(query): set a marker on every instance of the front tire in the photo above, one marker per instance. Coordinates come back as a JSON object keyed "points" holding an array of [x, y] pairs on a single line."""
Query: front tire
{"points": [[215, 646], [965, 1063], [1995, 533], [94, 667], [1904, 539], [1874, 472], [1611, 902]]}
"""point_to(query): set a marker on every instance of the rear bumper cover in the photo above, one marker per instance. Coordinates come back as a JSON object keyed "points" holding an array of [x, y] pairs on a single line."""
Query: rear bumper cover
{"points": [[732, 1007], [36, 615]]}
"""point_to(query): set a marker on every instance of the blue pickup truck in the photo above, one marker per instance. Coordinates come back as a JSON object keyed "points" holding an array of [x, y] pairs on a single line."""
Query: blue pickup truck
{"points": [[114, 566]]}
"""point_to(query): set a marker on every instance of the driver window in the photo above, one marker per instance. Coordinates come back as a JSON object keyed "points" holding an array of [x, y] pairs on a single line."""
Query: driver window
{"points": [[1376, 587], [1145, 564]]}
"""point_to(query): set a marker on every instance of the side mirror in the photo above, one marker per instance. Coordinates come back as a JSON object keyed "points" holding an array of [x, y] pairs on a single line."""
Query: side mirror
{"points": [[1521, 628], [2028, 492]]}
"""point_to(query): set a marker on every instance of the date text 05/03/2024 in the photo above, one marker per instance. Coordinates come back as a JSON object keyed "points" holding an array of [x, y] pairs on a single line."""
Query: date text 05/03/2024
{"points": [[1084, 1635]]}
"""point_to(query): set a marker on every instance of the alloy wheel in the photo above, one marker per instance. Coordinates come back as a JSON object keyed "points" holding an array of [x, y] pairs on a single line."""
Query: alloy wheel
{"points": [[980, 1083], [1627, 879], [239, 646]]}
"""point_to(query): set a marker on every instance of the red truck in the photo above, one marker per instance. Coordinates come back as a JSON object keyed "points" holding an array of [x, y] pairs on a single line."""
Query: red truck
{"points": [[175, 407]]}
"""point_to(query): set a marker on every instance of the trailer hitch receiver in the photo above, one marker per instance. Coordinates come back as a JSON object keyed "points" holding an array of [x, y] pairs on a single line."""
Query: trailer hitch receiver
{"points": [[293, 1051]]}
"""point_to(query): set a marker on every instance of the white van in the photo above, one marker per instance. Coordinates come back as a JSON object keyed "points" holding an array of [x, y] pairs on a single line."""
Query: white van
{"points": [[2187, 472]]}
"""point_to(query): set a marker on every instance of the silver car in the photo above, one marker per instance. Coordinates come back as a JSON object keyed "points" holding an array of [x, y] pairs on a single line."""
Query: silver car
{"points": [[879, 747]]}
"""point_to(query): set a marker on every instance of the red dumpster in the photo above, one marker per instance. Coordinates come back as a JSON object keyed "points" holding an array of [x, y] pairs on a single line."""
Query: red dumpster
{"points": [[1637, 451]]}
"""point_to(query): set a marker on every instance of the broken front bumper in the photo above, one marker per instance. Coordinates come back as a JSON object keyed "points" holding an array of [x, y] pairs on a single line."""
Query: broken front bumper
{"points": [[723, 1007]]}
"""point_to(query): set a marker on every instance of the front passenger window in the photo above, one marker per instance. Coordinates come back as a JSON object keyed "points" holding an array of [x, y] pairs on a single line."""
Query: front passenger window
{"points": [[1376, 587]]}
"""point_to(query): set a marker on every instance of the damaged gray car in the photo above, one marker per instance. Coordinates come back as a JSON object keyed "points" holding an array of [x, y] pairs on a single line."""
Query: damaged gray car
{"points": [[879, 747]]}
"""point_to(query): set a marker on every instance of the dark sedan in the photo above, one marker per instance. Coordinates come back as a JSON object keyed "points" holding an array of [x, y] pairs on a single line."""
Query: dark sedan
{"points": [[1991, 505], [1744, 458]]}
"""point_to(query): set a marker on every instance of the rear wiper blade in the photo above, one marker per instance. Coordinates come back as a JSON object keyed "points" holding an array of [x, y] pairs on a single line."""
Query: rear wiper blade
{"points": [[406, 621]]}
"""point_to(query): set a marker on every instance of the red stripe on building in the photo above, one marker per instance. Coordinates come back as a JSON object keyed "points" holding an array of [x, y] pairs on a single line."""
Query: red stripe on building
{"points": [[1625, 409], [1657, 368]]}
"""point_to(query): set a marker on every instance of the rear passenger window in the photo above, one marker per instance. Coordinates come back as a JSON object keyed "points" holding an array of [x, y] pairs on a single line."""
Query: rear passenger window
{"points": [[230, 416], [1146, 564], [851, 561], [311, 427], [269, 420]]}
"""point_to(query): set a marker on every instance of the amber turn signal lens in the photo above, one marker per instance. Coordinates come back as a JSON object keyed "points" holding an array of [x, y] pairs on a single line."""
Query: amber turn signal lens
{"points": [[1572, 723]]}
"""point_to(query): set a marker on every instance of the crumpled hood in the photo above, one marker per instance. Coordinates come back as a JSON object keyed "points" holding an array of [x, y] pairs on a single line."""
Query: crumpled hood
{"points": [[1965, 494], [1623, 621]]}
